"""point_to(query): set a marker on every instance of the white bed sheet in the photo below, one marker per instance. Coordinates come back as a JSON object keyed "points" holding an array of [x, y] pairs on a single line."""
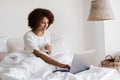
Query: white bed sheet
{"points": [[28, 71], [16, 66], [94, 73], [97, 73]]}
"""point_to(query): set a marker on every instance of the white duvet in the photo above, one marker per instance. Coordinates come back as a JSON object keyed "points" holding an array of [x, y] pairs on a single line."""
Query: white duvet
{"points": [[33, 68], [94, 73]]}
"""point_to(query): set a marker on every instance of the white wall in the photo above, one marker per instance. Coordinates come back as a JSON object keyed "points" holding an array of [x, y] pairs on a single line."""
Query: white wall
{"points": [[100, 39], [94, 32], [70, 20], [112, 30]]}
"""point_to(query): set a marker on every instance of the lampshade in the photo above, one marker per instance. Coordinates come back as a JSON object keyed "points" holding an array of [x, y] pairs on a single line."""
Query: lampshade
{"points": [[100, 10]]}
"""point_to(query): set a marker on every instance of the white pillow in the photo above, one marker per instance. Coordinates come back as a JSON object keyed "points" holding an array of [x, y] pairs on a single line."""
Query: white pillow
{"points": [[15, 45], [3, 43], [59, 50], [58, 45], [3, 46]]}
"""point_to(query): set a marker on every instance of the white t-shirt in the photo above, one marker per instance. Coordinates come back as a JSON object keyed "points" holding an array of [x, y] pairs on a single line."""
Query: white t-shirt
{"points": [[33, 42]]}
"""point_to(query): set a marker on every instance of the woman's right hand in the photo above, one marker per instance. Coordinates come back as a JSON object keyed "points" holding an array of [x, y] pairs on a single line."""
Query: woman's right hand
{"points": [[65, 66]]}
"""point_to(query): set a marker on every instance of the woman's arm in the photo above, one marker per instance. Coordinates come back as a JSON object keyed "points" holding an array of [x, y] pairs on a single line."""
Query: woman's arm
{"points": [[49, 60]]}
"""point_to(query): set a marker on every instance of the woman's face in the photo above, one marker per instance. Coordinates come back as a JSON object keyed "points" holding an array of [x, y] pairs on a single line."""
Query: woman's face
{"points": [[43, 25]]}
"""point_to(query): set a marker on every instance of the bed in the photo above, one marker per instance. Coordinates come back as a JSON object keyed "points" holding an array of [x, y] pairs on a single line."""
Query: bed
{"points": [[22, 73], [17, 66]]}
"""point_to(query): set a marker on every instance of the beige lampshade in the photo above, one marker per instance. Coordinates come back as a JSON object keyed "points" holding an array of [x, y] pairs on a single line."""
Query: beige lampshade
{"points": [[100, 10]]}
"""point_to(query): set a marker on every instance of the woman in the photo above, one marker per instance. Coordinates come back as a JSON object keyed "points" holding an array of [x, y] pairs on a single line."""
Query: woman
{"points": [[37, 41]]}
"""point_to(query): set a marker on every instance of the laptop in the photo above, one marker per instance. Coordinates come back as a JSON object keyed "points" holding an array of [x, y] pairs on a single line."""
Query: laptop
{"points": [[79, 63]]}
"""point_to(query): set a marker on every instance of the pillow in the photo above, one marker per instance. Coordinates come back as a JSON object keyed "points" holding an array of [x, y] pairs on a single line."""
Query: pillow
{"points": [[3, 43], [15, 45], [58, 45], [59, 50], [3, 46]]}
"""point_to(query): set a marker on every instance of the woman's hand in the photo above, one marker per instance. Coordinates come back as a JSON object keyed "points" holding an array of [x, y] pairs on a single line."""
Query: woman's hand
{"points": [[65, 66], [49, 48]]}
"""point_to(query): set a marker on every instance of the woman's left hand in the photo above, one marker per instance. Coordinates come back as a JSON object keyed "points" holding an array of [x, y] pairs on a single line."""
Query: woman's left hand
{"points": [[49, 48]]}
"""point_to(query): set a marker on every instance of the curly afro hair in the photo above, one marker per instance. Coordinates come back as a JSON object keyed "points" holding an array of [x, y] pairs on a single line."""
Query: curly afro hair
{"points": [[37, 15]]}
